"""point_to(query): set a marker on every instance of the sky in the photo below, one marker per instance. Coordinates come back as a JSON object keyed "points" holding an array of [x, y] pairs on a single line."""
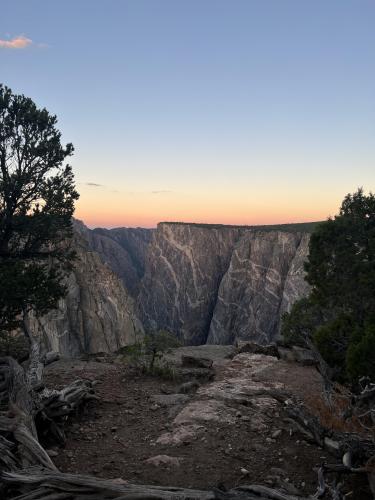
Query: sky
{"points": [[217, 111]]}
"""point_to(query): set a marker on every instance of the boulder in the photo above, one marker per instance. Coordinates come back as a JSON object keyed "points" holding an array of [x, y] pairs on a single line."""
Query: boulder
{"points": [[304, 356], [286, 354], [196, 362], [51, 357], [254, 348]]}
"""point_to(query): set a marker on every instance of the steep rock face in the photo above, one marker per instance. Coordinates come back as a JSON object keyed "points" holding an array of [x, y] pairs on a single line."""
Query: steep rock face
{"points": [[215, 285], [97, 315], [184, 267], [124, 250], [264, 278], [295, 285]]}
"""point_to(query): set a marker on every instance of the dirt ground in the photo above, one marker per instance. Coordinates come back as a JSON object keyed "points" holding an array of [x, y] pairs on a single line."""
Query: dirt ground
{"points": [[117, 434]]}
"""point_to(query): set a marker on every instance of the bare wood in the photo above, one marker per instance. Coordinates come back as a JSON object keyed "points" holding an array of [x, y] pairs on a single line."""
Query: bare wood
{"points": [[48, 484]]}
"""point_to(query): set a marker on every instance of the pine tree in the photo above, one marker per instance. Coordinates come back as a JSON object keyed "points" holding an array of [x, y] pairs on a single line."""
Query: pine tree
{"points": [[37, 196]]}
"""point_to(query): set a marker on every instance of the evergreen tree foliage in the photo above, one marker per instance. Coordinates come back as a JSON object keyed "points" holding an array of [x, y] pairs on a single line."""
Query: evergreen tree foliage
{"points": [[341, 271], [37, 196]]}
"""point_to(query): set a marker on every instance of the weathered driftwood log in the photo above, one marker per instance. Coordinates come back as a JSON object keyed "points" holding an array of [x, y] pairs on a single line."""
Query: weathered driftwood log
{"points": [[43, 485], [21, 407], [354, 447], [55, 485]]}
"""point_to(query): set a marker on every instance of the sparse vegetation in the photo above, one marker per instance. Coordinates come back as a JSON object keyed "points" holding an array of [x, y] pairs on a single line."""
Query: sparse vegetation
{"points": [[339, 314], [147, 355]]}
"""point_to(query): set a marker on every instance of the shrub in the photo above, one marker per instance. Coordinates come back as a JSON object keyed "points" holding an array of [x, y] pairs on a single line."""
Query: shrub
{"points": [[147, 354], [360, 358], [300, 322]]}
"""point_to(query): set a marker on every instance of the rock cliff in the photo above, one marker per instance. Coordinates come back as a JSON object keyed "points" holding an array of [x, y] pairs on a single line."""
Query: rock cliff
{"points": [[124, 250], [184, 269], [264, 278], [97, 315], [217, 284]]}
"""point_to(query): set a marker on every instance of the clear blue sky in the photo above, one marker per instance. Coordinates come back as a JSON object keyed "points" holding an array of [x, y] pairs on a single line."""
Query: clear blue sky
{"points": [[235, 111]]}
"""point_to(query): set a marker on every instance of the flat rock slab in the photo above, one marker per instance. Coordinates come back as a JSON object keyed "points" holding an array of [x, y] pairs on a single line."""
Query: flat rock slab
{"points": [[164, 460], [236, 394], [206, 411], [182, 435], [170, 399], [219, 354]]}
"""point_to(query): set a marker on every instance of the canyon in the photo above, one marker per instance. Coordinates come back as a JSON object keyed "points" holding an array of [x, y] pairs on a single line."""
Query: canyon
{"points": [[208, 284]]}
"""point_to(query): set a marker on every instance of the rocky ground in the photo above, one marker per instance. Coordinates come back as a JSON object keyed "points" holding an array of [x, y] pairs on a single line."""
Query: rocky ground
{"points": [[231, 431]]}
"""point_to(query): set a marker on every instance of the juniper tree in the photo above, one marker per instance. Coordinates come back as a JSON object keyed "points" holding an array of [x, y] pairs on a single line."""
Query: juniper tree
{"points": [[37, 196], [339, 314]]}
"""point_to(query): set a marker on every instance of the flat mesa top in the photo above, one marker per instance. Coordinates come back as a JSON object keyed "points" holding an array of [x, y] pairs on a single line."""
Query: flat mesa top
{"points": [[300, 227]]}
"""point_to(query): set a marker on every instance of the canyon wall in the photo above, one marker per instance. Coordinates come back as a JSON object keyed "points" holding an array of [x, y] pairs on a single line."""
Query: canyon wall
{"points": [[97, 315], [264, 278], [219, 284], [205, 283], [124, 250], [184, 268]]}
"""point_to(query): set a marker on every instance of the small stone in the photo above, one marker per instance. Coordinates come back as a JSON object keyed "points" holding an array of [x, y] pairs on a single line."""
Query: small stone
{"points": [[276, 433], [113, 429], [154, 407], [52, 453], [238, 414], [165, 460], [244, 471]]}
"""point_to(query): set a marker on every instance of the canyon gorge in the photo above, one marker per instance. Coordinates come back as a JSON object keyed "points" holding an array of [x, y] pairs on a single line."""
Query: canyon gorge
{"points": [[205, 283]]}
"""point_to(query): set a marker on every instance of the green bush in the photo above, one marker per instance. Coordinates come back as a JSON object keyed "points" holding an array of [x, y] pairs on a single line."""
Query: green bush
{"points": [[300, 322], [339, 313], [147, 355], [332, 341], [360, 358]]}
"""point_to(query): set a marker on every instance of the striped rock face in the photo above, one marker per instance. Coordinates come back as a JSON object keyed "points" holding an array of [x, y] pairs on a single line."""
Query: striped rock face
{"points": [[218, 285]]}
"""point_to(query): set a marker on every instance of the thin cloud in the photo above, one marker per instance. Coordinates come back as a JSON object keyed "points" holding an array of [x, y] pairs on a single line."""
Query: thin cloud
{"points": [[93, 184], [161, 192], [19, 42]]}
